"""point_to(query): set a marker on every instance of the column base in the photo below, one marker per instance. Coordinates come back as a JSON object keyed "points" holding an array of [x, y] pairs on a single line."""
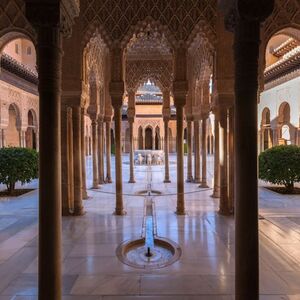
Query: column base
{"points": [[131, 181], [79, 212], [223, 212], [179, 212], [215, 194], [197, 181], [101, 182], [108, 180], [167, 181], [120, 212], [190, 179], [66, 212], [203, 185], [95, 186]]}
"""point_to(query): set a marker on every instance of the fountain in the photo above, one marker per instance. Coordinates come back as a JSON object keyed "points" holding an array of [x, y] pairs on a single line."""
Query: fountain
{"points": [[149, 157], [148, 251]]}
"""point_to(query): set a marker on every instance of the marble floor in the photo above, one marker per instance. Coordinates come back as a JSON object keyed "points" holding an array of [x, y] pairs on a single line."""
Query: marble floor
{"points": [[91, 270]]}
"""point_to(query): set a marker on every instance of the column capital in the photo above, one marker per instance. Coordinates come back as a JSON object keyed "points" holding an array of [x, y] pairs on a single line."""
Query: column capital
{"points": [[116, 90], [180, 90], [55, 13], [131, 113]]}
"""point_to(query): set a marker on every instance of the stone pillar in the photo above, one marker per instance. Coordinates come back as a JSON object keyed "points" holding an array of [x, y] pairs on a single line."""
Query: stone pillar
{"points": [[100, 151], [118, 163], [180, 210], [83, 170], [189, 149], [3, 138], [231, 158], [108, 150], [76, 117], [216, 191], [197, 152], [49, 62], [94, 153], [224, 203], [67, 161], [204, 151], [246, 54], [131, 153], [166, 148]]}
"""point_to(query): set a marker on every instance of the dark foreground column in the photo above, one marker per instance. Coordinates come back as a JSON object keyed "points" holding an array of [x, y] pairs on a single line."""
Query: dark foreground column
{"points": [[190, 150], [166, 148], [246, 54], [108, 150], [131, 153], [94, 153], [216, 191], [83, 171]]}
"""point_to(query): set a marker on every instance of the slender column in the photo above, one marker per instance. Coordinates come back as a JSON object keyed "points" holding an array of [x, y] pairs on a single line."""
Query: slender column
{"points": [[100, 151], [83, 170], [119, 187], [246, 54], [189, 148], [94, 154], [166, 148], [224, 203], [231, 159], [131, 153], [197, 151], [76, 116], [67, 161], [49, 54], [204, 152], [180, 210], [216, 191], [108, 152], [3, 138]]}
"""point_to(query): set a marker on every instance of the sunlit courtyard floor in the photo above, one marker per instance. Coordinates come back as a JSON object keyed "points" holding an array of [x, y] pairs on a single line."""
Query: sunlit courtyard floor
{"points": [[91, 270]]}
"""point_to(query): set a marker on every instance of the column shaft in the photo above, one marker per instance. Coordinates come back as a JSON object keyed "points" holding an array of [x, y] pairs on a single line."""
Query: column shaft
{"points": [[231, 159], [76, 116], [216, 191], [94, 154], [83, 170], [118, 163], [131, 153], [246, 53], [224, 203], [197, 152], [108, 152], [166, 148], [100, 152], [180, 210], [189, 148], [49, 53], [204, 153]]}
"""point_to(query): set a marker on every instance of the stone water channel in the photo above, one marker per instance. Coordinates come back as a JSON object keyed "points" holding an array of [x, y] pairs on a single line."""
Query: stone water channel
{"points": [[149, 251]]}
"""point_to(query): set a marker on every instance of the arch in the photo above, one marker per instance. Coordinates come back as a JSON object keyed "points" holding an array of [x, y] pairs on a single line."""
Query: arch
{"points": [[266, 131], [15, 33], [149, 138], [31, 131], [140, 138], [14, 126], [266, 119], [284, 113]]}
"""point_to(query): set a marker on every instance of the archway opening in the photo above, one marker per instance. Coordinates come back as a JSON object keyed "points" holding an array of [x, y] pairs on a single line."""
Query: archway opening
{"points": [[13, 129], [31, 131], [148, 139]]}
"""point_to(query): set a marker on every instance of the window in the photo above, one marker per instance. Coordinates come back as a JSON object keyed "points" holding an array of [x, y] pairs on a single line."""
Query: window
{"points": [[17, 48], [28, 50]]}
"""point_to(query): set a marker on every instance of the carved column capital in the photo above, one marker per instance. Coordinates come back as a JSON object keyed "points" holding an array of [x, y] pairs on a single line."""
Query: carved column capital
{"points": [[116, 90], [180, 90], [55, 13]]}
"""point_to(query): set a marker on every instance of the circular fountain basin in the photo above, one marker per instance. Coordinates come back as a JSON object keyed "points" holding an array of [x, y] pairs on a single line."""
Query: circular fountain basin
{"points": [[134, 253]]}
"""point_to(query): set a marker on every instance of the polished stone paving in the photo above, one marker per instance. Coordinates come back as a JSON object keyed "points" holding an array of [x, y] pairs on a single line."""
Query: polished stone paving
{"points": [[91, 270]]}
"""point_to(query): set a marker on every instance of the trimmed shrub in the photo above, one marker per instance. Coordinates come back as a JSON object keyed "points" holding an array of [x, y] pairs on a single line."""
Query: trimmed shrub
{"points": [[280, 165], [17, 164]]}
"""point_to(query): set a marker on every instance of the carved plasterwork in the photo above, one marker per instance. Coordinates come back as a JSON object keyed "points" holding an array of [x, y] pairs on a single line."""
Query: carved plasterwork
{"points": [[160, 72], [119, 17]]}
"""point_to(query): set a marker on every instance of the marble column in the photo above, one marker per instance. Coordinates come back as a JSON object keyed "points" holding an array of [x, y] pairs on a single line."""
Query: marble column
{"points": [[76, 117], [3, 137], [100, 151], [131, 153], [224, 201], [49, 62], [166, 150], [119, 187], [204, 152], [153, 139], [216, 190], [197, 151], [108, 151], [94, 153], [189, 149], [231, 158], [83, 170], [246, 54], [180, 210]]}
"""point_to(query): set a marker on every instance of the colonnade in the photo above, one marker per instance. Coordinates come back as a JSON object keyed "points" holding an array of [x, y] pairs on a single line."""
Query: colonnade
{"points": [[49, 50]]}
